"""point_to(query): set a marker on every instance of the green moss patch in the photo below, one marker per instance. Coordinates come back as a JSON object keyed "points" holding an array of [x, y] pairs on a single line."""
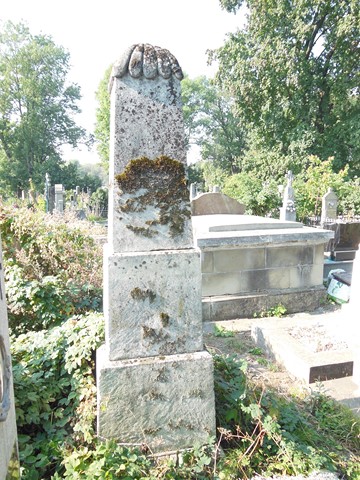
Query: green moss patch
{"points": [[159, 184]]}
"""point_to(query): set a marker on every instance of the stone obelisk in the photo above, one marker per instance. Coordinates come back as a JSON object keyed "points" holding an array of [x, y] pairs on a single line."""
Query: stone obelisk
{"points": [[155, 380]]}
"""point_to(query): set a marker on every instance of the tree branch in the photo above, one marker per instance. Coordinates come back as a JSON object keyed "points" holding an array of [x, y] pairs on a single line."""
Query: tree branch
{"points": [[309, 45]]}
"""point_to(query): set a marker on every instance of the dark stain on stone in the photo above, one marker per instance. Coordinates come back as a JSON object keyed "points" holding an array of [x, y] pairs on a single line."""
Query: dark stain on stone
{"points": [[138, 294]]}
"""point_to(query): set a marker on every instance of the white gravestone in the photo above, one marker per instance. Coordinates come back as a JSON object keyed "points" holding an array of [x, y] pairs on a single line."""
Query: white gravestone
{"points": [[329, 206], [9, 463], [155, 381]]}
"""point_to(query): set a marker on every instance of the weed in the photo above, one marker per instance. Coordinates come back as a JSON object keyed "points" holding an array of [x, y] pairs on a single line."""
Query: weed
{"points": [[220, 331], [277, 311]]}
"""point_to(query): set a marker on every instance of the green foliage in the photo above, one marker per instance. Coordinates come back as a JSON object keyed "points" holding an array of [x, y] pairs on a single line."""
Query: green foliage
{"points": [[85, 176], [260, 431], [37, 106], [38, 304], [265, 433], [105, 460], [276, 311], [55, 392], [102, 126], [211, 124], [312, 184], [52, 269], [293, 72], [260, 198], [220, 331]]}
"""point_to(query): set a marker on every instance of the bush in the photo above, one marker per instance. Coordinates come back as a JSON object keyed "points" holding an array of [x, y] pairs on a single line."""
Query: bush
{"points": [[53, 267], [260, 198], [55, 392], [312, 184]]}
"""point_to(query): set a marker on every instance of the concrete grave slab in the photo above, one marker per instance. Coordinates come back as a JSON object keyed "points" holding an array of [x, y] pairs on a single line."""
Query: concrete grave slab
{"points": [[310, 350]]}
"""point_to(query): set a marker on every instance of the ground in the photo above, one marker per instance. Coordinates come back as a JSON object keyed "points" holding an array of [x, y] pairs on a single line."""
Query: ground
{"points": [[233, 337]]}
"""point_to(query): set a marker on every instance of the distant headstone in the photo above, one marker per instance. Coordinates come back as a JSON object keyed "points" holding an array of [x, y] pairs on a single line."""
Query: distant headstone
{"points": [[59, 198], [329, 206], [9, 460], [215, 204], [288, 210], [192, 191], [155, 381]]}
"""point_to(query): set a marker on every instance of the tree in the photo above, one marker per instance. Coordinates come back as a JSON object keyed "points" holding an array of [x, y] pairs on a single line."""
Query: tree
{"points": [[294, 74], [211, 124], [102, 126], [37, 106]]}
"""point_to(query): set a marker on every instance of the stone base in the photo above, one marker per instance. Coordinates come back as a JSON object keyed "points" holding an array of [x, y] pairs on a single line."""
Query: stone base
{"points": [[229, 307], [165, 402]]}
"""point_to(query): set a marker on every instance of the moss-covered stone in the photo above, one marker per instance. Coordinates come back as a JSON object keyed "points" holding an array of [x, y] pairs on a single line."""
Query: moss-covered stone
{"points": [[159, 184]]}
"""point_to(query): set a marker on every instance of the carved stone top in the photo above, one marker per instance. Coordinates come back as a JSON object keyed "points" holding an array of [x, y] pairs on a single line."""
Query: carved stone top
{"points": [[148, 61]]}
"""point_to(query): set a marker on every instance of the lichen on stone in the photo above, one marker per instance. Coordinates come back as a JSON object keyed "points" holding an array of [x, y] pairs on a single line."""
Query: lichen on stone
{"points": [[164, 317], [160, 185], [138, 294]]}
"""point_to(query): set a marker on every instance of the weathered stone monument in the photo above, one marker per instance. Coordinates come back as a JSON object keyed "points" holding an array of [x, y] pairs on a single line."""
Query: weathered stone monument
{"points": [[59, 197], [329, 206], [155, 381], [288, 210], [9, 463]]}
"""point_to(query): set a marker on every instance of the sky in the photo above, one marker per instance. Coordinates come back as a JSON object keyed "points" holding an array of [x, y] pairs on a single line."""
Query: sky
{"points": [[96, 33]]}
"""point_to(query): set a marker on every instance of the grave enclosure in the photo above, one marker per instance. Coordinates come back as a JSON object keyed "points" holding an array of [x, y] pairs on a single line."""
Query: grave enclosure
{"points": [[154, 378], [251, 264]]}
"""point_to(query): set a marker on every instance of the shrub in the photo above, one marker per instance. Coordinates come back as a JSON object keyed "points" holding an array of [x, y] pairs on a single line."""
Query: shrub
{"points": [[53, 267], [260, 198], [312, 184], [55, 392]]}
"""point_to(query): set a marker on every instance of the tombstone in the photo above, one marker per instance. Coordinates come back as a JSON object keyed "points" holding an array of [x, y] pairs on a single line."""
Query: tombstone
{"points": [[192, 191], [329, 206], [216, 204], [51, 198], [288, 210], [59, 197], [155, 380], [9, 460]]}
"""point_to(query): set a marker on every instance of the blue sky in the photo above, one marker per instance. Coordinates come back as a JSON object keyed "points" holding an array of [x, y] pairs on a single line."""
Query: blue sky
{"points": [[96, 32]]}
